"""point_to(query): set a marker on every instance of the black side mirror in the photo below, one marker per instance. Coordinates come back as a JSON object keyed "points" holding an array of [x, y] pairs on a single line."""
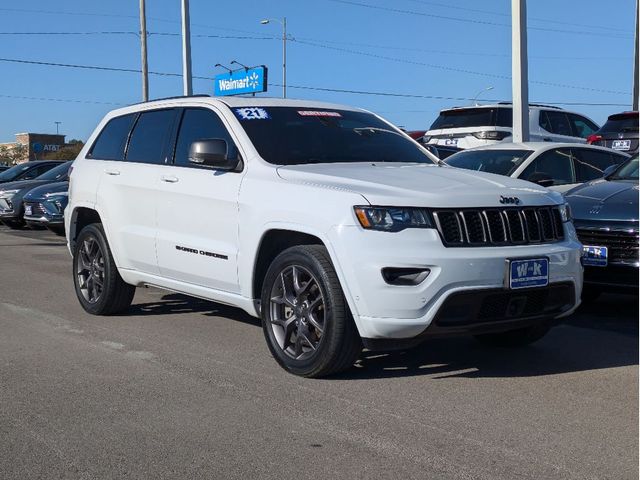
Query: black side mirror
{"points": [[213, 153], [541, 178], [609, 170]]}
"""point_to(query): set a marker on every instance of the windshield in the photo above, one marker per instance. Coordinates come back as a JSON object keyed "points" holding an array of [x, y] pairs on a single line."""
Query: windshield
{"points": [[299, 135], [474, 117], [13, 172], [502, 162], [628, 170], [56, 173]]}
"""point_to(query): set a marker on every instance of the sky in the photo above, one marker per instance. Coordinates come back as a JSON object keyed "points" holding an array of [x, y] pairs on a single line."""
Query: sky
{"points": [[419, 56]]}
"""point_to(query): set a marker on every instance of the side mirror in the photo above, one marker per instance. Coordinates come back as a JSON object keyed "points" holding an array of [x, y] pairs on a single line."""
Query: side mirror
{"points": [[609, 170], [541, 178], [213, 153]]}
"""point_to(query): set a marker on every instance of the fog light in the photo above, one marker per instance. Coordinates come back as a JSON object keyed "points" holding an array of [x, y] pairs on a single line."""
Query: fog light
{"points": [[405, 276]]}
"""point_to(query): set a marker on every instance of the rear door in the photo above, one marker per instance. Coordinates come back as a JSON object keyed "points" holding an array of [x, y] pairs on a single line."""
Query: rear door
{"points": [[556, 164], [197, 235], [128, 189], [590, 164], [556, 127]]}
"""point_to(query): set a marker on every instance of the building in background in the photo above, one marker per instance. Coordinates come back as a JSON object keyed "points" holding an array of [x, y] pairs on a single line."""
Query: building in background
{"points": [[31, 146]]}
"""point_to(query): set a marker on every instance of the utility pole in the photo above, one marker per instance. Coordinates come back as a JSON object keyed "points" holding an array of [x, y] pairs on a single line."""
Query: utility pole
{"points": [[186, 50], [519, 71], [143, 51], [635, 64], [57, 127]]}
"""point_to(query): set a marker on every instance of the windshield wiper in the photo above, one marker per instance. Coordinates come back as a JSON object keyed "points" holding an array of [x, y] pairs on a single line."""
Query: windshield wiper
{"points": [[372, 130]]}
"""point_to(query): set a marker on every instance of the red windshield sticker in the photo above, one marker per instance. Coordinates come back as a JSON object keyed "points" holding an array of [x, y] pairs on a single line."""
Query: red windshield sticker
{"points": [[318, 113]]}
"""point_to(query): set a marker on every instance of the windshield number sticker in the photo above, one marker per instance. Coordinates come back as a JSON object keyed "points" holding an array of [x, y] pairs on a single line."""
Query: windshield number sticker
{"points": [[252, 113], [318, 113]]}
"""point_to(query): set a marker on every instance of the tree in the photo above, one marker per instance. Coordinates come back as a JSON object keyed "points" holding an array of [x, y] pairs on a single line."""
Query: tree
{"points": [[14, 154]]}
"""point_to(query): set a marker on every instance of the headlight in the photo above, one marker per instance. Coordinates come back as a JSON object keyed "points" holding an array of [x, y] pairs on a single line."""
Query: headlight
{"points": [[393, 219], [8, 193], [565, 212], [55, 195]]}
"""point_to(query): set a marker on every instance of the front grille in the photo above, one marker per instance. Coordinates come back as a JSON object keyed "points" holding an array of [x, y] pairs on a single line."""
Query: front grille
{"points": [[622, 245], [499, 226], [496, 305], [36, 208]]}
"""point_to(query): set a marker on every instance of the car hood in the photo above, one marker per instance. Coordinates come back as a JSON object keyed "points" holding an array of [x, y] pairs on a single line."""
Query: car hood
{"points": [[410, 184], [604, 200], [50, 188], [22, 184]]}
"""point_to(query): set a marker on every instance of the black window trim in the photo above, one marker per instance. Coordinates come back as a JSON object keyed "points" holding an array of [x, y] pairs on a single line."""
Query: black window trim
{"points": [[176, 133], [93, 145], [167, 160]]}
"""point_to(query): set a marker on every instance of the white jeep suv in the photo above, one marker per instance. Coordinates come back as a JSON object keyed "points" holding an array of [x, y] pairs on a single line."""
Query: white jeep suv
{"points": [[331, 224], [460, 128]]}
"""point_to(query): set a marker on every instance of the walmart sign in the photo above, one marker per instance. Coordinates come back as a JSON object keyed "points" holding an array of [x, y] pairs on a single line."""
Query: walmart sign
{"points": [[242, 81]]}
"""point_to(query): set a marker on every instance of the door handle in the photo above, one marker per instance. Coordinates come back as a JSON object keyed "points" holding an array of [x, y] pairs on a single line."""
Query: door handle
{"points": [[169, 178], [112, 172]]}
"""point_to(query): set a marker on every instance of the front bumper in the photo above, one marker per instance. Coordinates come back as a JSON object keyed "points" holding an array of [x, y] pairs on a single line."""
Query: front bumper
{"points": [[43, 214], [383, 311]]}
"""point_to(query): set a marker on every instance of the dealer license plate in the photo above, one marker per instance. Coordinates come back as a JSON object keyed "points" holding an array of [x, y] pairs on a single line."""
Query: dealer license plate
{"points": [[527, 273], [27, 210], [451, 142], [594, 256], [621, 145]]}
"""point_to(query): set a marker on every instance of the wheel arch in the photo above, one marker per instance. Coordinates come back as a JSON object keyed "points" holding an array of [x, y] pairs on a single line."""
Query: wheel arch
{"points": [[80, 218]]}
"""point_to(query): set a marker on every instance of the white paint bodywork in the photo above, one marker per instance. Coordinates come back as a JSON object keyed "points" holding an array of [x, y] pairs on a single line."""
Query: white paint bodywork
{"points": [[229, 213]]}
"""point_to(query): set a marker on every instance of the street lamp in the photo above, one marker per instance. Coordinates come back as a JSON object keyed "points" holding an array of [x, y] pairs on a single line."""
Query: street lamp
{"points": [[282, 22], [480, 93], [57, 127]]}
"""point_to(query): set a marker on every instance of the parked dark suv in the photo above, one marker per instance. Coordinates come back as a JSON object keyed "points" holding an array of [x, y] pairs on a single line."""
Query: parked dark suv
{"points": [[620, 132], [12, 193], [27, 170], [605, 215], [44, 206]]}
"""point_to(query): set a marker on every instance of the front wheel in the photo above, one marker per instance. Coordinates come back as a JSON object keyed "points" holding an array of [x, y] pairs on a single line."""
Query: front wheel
{"points": [[305, 317], [99, 286], [514, 338]]}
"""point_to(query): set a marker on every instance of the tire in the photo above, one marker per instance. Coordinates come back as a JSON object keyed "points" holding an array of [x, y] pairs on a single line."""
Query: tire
{"points": [[514, 338], [58, 230], [93, 265], [315, 307], [590, 294], [14, 224]]}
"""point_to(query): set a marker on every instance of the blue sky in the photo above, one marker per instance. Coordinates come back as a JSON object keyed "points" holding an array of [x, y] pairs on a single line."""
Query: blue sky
{"points": [[580, 51]]}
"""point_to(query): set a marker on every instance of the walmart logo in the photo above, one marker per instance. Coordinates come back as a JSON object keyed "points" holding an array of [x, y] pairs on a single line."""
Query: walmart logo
{"points": [[253, 80]]}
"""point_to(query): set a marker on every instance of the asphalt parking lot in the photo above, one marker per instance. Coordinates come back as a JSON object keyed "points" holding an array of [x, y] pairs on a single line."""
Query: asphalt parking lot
{"points": [[183, 388]]}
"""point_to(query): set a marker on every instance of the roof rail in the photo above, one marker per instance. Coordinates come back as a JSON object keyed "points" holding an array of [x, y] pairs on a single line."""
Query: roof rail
{"points": [[173, 98], [533, 105]]}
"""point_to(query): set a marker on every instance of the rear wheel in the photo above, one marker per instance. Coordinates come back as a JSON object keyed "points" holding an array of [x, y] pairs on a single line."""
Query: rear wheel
{"points": [[514, 338], [99, 286], [305, 317]]}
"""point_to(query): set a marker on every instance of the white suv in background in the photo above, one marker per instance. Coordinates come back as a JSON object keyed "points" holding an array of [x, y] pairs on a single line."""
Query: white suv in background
{"points": [[327, 221], [460, 128]]}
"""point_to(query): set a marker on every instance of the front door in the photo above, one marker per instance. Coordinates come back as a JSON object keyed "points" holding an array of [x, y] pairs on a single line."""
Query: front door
{"points": [[197, 234]]}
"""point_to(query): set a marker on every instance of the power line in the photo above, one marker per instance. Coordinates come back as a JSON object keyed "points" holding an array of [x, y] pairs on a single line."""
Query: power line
{"points": [[454, 69], [301, 87], [468, 20], [508, 15], [70, 100]]}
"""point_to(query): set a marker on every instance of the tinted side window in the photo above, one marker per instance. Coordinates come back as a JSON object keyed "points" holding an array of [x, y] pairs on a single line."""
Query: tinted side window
{"points": [[111, 141], [559, 123], [591, 164], [198, 124], [555, 164], [150, 135], [582, 127], [37, 171]]}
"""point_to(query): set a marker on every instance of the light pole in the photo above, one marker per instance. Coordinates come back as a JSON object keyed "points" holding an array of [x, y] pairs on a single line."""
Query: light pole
{"points": [[519, 71], [282, 22], [57, 127], [143, 51], [474, 101], [186, 50]]}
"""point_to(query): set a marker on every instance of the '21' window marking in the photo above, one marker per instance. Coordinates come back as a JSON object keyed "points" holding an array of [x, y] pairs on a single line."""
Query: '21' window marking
{"points": [[252, 113]]}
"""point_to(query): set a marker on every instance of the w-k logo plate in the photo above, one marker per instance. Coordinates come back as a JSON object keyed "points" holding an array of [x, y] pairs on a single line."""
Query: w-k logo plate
{"points": [[527, 273]]}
